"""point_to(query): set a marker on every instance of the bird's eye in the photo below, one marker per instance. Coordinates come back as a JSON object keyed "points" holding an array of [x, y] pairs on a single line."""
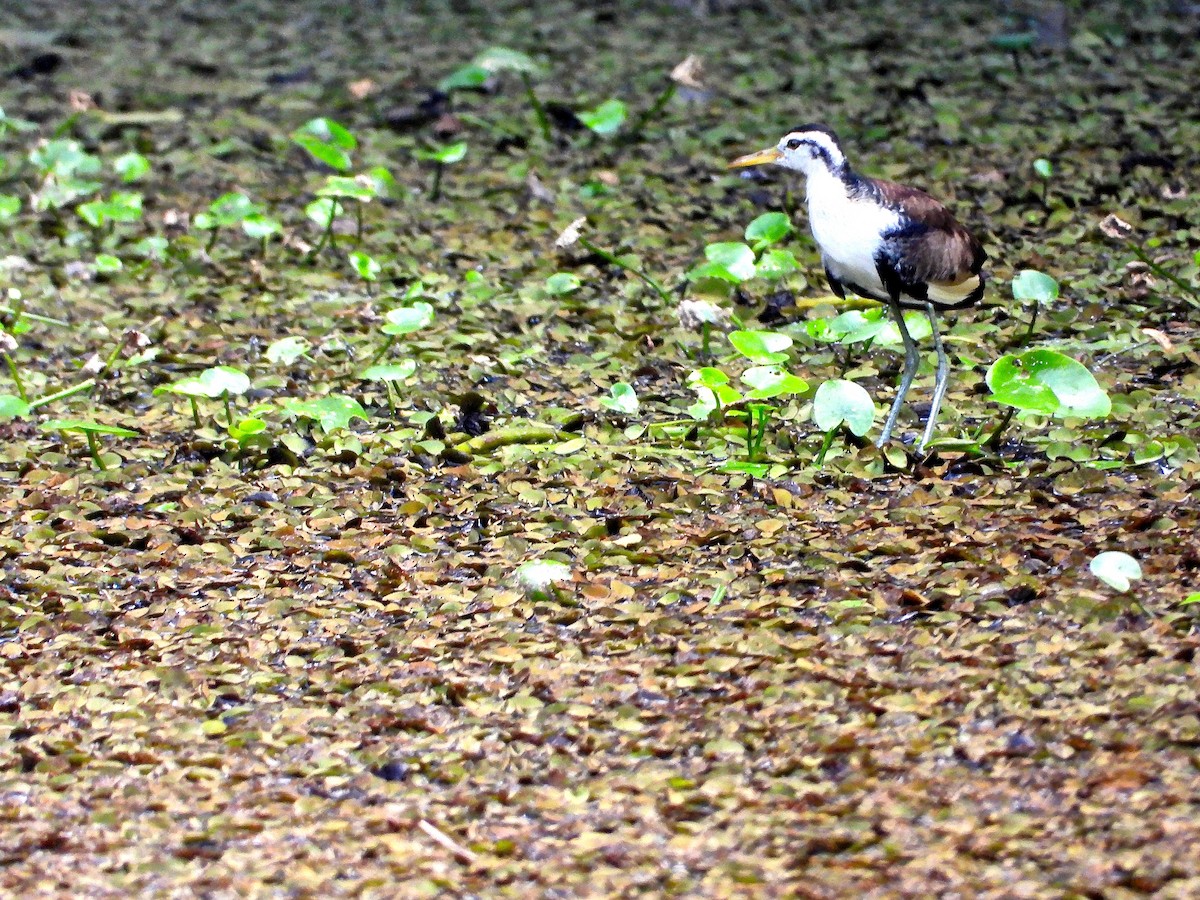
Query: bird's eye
{"points": [[794, 144]]}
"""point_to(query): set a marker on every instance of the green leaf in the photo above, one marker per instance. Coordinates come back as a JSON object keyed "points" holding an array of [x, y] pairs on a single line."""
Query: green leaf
{"points": [[769, 228], [131, 166], [327, 142], [763, 347], [776, 264], [1049, 383], [447, 155], [622, 399], [365, 265], [502, 59], [407, 319], [889, 333], [733, 257], [322, 210], [467, 78], [13, 407], [538, 577], [122, 206], [211, 383], [258, 226], [345, 187], [707, 377], [1190, 598], [772, 381], [605, 118], [286, 351], [331, 413], [563, 283], [10, 206], [705, 405], [1037, 286], [1116, 569], [227, 210], [245, 428], [841, 401], [1013, 41], [1043, 168], [107, 264], [400, 371], [86, 426]]}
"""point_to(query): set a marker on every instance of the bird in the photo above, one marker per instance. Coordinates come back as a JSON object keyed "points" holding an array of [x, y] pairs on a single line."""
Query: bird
{"points": [[886, 242]]}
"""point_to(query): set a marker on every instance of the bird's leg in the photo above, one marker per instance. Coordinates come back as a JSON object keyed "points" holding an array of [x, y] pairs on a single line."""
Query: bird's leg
{"points": [[943, 378], [911, 361]]}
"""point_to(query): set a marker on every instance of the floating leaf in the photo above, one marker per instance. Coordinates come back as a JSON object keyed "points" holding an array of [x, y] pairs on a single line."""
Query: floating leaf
{"points": [[1049, 383], [840, 401], [331, 413], [1116, 569], [622, 399], [769, 228], [764, 347], [286, 351], [406, 319]]}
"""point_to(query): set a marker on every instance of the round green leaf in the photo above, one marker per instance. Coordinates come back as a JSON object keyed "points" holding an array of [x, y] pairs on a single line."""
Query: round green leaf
{"points": [[769, 228], [13, 407], [322, 210], [131, 166], [286, 351], [1043, 168], [1037, 286], [1116, 569], [400, 371], [841, 401], [1049, 383], [467, 78], [367, 267], [764, 347], [563, 283], [707, 377], [502, 59], [776, 264], [622, 399], [605, 118], [331, 413], [772, 381], [732, 256], [10, 206], [447, 155], [406, 319]]}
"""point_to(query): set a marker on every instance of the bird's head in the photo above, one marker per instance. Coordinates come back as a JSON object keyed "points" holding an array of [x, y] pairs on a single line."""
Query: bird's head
{"points": [[808, 149]]}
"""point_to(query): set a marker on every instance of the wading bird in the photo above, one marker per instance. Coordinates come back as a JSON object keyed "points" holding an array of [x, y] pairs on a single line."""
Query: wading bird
{"points": [[886, 242]]}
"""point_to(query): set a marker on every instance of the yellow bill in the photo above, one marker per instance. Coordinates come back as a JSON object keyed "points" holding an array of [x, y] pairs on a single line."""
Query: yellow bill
{"points": [[762, 157]]}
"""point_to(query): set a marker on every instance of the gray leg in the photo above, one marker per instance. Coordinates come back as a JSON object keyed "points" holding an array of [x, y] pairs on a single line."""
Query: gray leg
{"points": [[911, 361], [943, 378]]}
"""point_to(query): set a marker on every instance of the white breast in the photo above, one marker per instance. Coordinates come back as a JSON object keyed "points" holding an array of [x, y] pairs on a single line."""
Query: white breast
{"points": [[848, 232]]}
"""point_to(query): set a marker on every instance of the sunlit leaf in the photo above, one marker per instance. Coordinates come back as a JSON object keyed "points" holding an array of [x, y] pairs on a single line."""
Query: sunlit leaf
{"points": [[606, 118], [332, 413], [763, 347], [769, 228], [1049, 383], [1037, 286], [286, 351], [840, 401], [406, 319], [1116, 569], [622, 399]]}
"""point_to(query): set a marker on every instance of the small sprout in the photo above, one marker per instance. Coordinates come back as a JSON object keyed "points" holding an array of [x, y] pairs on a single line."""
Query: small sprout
{"points": [[772, 381], [286, 351], [331, 413], [90, 430], [441, 157], [1044, 170], [1116, 569], [218, 382], [107, 264], [479, 73], [605, 119], [389, 375], [840, 402], [248, 432], [131, 166], [539, 578], [323, 212], [563, 283], [365, 265], [622, 399], [327, 142], [1035, 286]]}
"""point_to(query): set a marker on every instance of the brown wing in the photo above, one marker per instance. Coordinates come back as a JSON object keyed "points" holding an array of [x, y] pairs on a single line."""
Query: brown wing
{"points": [[932, 247]]}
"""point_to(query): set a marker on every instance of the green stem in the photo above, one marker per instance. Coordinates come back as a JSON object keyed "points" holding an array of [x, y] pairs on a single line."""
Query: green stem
{"points": [[1032, 321], [19, 314], [993, 441], [387, 345], [195, 411], [63, 394], [228, 409], [539, 111], [825, 445], [656, 107], [435, 189], [16, 376], [612, 258], [326, 235], [358, 222], [94, 449], [705, 336], [212, 241]]}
